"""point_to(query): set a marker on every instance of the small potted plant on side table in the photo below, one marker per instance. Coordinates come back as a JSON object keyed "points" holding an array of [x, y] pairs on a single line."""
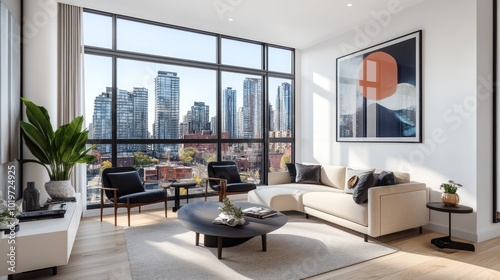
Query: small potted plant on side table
{"points": [[449, 195]]}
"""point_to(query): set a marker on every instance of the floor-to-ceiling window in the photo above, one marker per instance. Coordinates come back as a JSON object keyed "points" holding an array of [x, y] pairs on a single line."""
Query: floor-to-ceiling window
{"points": [[168, 100]]}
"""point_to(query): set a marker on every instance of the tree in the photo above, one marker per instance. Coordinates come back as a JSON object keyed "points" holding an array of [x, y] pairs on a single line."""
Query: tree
{"points": [[188, 154], [141, 159], [105, 164], [210, 158], [284, 160]]}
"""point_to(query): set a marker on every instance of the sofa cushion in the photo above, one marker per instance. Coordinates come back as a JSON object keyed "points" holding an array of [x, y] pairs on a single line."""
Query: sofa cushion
{"points": [[337, 204], [292, 171], [237, 187], [333, 176], [354, 172], [364, 182], [285, 197], [228, 172], [386, 178], [143, 197], [307, 174]]}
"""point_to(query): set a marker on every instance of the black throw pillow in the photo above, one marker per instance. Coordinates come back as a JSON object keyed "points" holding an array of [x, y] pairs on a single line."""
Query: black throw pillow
{"points": [[292, 171], [352, 176], [308, 174], [366, 181], [386, 179], [228, 172]]}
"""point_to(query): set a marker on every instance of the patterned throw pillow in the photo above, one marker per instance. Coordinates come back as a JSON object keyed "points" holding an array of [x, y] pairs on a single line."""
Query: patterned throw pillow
{"points": [[349, 176]]}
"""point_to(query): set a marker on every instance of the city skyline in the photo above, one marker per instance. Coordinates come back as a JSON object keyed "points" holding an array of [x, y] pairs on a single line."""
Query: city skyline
{"points": [[238, 122], [197, 85]]}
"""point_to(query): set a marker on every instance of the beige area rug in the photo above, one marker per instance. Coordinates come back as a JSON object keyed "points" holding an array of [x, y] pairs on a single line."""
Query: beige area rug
{"points": [[300, 249]]}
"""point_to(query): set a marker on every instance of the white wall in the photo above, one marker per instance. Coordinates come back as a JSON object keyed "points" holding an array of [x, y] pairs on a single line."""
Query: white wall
{"points": [[14, 6], [456, 138], [39, 72]]}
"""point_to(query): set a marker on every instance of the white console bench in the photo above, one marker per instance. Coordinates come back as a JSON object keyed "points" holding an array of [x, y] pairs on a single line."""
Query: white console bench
{"points": [[41, 244]]}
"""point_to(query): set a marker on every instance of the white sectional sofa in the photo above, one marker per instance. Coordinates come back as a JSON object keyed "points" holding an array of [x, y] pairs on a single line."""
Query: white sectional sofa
{"points": [[389, 209]]}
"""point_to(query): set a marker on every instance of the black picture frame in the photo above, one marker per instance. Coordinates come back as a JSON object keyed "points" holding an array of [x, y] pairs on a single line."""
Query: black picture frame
{"points": [[379, 92]]}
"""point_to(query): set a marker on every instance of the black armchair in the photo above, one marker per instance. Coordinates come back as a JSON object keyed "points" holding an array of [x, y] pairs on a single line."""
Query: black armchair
{"points": [[125, 188], [224, 179]]}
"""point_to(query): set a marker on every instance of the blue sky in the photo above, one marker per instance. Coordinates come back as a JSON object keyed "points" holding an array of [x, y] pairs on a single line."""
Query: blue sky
{"points": [[195, 84]]}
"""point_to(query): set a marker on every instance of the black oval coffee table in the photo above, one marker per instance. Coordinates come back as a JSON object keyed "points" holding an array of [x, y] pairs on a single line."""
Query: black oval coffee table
{"points": [[199, 217]]}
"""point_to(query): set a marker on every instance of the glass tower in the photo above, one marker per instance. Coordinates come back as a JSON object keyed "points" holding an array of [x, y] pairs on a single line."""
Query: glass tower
{"points": [[166, 124], [252, 108], [229, 112], [200, 118]]}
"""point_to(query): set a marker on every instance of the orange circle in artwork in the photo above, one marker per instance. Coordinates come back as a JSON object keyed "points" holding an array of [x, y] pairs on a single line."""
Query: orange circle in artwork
{"points": [[379, 76]]}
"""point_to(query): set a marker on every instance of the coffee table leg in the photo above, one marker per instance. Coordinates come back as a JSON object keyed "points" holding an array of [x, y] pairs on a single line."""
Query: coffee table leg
{"points": [[264, 243], [219, 247], [197, 242]]}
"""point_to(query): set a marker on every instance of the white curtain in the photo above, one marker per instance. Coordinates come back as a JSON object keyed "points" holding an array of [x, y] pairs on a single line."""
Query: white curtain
{"points": [[70, 85]]}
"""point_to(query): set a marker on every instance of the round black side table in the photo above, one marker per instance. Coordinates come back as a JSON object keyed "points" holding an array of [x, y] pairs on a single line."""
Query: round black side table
{"points": [[446, 242], [177, 187]]}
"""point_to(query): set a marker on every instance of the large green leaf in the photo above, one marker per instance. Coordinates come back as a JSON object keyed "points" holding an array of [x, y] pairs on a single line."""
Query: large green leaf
{"points": [[39, 117], [58, 151], [36, 142]]}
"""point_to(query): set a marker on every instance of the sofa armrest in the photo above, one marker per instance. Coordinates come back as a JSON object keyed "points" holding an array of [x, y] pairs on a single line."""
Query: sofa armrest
{"points": [[276, 178], [397, 207], [393, 189]]}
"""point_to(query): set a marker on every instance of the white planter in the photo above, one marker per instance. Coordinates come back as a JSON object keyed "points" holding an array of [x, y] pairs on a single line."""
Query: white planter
{"points": [[60, 189], [230, 220], [8, 223]]}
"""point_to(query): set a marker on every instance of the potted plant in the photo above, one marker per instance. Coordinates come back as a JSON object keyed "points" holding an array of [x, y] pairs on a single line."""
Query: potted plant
{"points": [[8, 213], [449, 195], [230, 215], [58, 151]]}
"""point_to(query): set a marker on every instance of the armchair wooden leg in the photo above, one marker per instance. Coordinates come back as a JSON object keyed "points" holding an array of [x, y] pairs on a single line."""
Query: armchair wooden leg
{"points": [[128, 215], [222, 192], [102, 202], [139, 209], [116, 213], [115, 200]]}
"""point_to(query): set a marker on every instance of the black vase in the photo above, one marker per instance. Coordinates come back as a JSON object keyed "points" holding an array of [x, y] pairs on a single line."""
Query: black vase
{"points": [[31, 198]]}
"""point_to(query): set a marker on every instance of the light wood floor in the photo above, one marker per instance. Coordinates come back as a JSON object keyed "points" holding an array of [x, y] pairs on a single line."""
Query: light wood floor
{"points": [[99, 252]]}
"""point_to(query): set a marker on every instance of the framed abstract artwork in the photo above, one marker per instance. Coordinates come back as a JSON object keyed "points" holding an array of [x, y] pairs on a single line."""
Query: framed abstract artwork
{"points": [[379, 92]]}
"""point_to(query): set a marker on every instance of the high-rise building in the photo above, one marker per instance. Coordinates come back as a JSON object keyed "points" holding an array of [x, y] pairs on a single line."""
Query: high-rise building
{"points": [[132, 120], [140, 117], [213, 125], [166, 126], [283, 117], [101, 120], [252, 108], [229, 112], [200, 116], [271, 117], [240, 122], [184, 125]]}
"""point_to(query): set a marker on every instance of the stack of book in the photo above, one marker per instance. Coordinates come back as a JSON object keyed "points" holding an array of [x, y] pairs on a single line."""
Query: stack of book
{"points": [[259, 212]]}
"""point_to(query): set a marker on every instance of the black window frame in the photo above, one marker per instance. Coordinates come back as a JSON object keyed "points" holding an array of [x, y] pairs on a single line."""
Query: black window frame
{"points": [[265, 141]]}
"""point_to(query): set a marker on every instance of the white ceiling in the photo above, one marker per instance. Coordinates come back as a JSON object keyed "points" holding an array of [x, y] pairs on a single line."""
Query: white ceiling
{"points": [[293, 23]]}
